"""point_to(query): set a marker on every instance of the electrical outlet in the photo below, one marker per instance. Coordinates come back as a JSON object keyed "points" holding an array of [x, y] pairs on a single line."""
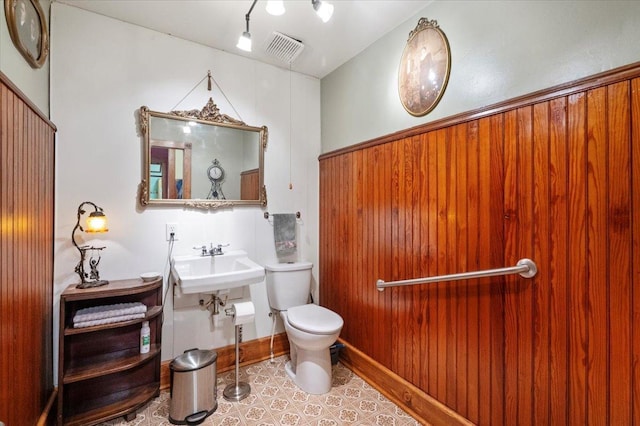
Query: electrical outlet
{"points": [[172, 228]]}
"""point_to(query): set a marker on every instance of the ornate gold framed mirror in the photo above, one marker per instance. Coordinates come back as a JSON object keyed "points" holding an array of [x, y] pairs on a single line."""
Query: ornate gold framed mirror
{"points": [[180, 148]]}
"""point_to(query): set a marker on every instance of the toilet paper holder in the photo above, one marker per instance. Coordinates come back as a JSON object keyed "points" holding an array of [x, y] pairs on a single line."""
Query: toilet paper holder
{"points": [[239, 390]]}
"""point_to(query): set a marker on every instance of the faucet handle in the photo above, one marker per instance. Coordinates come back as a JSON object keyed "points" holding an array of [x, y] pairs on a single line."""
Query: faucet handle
{"points": [[202, 248], [218, 249]]}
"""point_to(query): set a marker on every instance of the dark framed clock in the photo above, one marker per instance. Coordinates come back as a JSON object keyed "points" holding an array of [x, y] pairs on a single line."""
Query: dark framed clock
{"points": [[424, 68], [216, 174]]}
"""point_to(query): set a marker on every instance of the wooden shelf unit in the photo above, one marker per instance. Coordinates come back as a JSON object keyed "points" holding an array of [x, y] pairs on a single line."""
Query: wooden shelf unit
{"points": [[101, 373]]}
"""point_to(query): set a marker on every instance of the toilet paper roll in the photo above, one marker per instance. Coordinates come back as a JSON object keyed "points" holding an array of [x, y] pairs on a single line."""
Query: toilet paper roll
{"points": [[243, 313]]}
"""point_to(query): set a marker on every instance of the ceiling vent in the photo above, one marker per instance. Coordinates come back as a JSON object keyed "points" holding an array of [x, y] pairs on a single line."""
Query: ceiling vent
{"points": [[283, 47]]}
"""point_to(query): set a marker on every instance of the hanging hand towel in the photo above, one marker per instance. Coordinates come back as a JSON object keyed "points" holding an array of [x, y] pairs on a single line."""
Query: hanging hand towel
{"points": [[284, 233]]}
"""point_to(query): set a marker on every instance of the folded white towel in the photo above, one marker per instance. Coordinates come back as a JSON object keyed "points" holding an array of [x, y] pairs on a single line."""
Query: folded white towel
{"points": [[109, 311], [110, 320]]}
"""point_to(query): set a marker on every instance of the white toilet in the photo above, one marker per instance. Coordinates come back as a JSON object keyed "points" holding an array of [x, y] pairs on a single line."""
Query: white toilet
{"points": [[311, 329]]}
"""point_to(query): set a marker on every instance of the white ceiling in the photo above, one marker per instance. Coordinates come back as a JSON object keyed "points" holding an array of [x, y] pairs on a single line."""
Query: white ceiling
{"points": [[218, 24]]}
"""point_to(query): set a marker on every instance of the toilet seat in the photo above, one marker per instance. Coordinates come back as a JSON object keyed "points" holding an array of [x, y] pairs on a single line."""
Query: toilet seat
{"points": [[314, 319]]}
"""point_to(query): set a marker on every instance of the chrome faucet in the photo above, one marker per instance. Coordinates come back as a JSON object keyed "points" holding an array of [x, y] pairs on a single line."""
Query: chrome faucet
{"points": [[211, 251]]}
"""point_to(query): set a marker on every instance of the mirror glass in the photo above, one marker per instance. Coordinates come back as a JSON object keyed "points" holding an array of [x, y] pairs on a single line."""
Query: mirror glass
{"points": [[201, 159]]}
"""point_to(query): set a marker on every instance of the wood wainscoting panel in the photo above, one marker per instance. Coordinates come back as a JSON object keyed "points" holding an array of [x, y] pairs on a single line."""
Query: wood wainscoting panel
{"points": [[26, 257], [554, 178]]}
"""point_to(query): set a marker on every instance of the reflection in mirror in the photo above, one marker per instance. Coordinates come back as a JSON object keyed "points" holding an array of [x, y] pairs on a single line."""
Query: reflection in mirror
{"points": [[201, 159]]}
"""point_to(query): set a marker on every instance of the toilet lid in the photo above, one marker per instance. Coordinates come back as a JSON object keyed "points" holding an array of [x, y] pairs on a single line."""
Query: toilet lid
{"points": [[314, 319]]}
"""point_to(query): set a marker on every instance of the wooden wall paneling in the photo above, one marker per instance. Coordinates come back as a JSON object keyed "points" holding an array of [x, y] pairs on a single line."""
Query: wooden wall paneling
{"points": [[363, 274], [597, 267], [46, 205], [408, 254], [323, 236], [555, 180], [324, 230], [386, 326], [19, 190], [577, 248], [619, 252], [414, 249], [557, 262], [25, 303], [421, 246], [540, 159], [249, 181], [512, 284], [337, 256], [635, 247], [495, 239], [347, 227], [440, 222], [420, 251], [459, 139], [340, 211], [6, 168], [364, 284], [484, 292], [452, 267], [524, 170], [473, 286], [490, 242], [374, 298], [396, 219], [26, 263], [432, 267], [379, 192], [402, 257], [364, 322], [376, 335], [367, 280]]}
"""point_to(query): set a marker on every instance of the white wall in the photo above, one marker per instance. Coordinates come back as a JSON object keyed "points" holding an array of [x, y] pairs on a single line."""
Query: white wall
{"points": [[33, 82], [499, 50], [102, 71]]}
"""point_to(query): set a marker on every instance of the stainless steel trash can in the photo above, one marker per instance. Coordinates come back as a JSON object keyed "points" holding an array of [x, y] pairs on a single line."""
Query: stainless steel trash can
{"points": [[193, 387]]}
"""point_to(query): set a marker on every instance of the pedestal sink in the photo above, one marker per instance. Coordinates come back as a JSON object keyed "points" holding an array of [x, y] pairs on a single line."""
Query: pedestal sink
{"points": [[207, 274]]}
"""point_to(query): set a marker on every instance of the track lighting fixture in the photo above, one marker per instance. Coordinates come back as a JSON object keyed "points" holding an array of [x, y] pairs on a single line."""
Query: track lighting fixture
{"points": [[323, 9], [244, 42], [276, 7]]}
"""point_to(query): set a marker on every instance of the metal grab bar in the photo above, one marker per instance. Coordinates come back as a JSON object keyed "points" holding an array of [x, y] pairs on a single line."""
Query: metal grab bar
{"points": [[525, 267]]}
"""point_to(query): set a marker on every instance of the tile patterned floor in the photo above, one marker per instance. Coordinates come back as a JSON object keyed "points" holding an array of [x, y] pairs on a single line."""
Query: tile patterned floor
{"points": [[276, 400]]}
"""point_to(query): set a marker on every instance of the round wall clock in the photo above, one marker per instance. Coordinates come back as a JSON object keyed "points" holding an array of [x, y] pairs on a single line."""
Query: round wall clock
{"points": [[424, 68]]}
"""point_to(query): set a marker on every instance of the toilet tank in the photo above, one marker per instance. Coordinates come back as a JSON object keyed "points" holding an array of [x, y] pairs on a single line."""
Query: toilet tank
{"points": [[288, 284]]}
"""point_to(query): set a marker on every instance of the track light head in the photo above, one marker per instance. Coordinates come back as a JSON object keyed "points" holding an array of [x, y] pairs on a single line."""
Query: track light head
{"points": [[275, 7], [323, 9], [244, 42]]}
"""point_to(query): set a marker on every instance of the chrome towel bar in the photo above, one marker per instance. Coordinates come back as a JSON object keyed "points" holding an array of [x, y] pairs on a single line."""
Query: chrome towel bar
{"points": [[525, 267]]}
